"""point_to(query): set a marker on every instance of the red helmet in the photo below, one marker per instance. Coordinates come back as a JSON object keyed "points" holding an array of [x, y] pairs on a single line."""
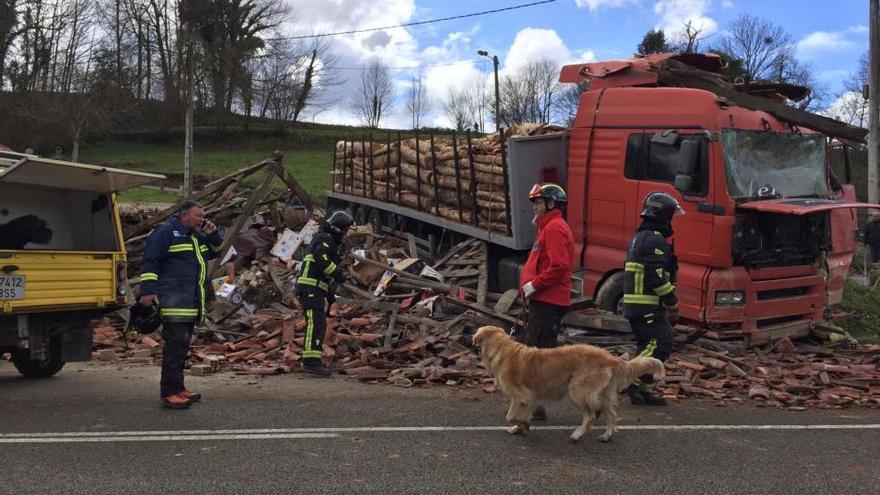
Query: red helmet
{"points": [[548, 190]]}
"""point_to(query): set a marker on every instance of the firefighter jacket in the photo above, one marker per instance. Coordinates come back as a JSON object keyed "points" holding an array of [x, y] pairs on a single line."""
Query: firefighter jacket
{"points": [[321, 266], [175, 268], [549, 265], [650, 271]]}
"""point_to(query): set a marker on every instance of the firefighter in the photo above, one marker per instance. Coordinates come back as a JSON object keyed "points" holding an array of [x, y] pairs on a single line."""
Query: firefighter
{"points": [[314, 286], [649, 300], [545, 280], [174, 276]]}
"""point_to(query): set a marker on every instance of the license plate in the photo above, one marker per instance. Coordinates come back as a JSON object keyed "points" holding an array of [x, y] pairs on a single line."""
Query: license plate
{"points": [[11, 287]]}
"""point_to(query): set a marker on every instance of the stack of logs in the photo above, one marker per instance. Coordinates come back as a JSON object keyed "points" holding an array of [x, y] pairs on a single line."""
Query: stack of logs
{"points": [[459, 178]]}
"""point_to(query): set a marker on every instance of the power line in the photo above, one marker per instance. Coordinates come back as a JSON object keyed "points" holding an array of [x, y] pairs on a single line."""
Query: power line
{"points": [[414, 23]]}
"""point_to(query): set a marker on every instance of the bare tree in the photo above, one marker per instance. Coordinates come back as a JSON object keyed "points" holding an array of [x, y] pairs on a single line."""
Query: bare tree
{"points": [[851, 106], [455, 108], [417, 103], [477, 101], [764, 49], [688, 39], [373, 98], [532, 94], [568, 103]]}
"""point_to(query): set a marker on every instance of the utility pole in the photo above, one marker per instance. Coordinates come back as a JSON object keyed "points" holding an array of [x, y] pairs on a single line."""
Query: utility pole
{"points": [[188, 145], [874, 102], [484, 53]]}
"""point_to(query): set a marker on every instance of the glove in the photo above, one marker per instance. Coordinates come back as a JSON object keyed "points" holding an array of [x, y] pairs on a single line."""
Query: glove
{"points": [[528, 290], [672, 315]]}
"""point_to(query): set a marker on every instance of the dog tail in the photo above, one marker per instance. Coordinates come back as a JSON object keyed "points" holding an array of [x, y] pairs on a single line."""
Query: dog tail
{"points": [[628, 371]]}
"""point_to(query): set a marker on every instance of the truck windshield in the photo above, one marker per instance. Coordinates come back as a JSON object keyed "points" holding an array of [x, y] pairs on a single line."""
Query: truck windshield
{"points": [[792, 165]]}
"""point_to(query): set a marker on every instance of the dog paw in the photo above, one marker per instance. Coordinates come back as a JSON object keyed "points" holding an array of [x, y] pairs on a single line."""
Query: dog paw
{"points": [[605, 437], [574, 438], [515, 430]]}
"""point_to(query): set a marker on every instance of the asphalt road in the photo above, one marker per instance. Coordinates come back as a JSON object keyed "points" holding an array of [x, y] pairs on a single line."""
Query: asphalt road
{"points": [[98, 429]]}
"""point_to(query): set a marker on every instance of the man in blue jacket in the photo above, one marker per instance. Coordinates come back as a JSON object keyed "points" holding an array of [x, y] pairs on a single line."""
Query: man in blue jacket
{"points": [[174, 275]]}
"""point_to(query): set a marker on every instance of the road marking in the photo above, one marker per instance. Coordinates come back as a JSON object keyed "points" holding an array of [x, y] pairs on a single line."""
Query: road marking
{"points": [[335, 432], [110, 437]]}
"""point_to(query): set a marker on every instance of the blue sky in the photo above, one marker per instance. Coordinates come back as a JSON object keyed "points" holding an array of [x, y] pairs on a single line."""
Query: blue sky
{"points": [[831, 36]]}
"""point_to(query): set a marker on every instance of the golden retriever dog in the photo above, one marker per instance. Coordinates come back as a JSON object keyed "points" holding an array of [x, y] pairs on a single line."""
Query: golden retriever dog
{"points": [[529, 377]]}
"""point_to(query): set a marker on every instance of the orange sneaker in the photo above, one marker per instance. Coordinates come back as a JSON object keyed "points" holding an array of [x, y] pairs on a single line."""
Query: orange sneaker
{"points": [[190, 396], [175, 402]]}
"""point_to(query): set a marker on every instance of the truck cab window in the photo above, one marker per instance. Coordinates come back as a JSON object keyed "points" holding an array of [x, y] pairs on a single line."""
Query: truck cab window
{"points": [[663, 162]]}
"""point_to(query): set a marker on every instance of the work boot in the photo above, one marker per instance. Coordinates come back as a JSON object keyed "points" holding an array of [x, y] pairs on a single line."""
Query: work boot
{"points": [[316, 369], [191, 396], [635, 397], [540, 414], [175, 401]]}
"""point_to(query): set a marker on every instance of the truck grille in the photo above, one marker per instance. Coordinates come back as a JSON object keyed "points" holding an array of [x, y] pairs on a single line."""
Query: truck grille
{"points": [[767, 295]]}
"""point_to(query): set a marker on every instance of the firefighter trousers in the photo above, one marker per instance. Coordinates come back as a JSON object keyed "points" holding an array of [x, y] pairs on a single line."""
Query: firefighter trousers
{"points": [[177, 336], [314, 309], [653, 337]]}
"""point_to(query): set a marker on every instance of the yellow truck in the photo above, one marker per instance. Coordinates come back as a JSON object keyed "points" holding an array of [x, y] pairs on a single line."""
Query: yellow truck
{"points": [[62, 257]]}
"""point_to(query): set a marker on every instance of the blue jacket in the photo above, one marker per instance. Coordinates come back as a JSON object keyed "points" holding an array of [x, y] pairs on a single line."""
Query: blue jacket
{"points": [[175, 268]]}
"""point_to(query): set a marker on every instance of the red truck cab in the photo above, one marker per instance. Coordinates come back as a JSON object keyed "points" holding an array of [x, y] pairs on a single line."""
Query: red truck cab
{"points": [[765, 242]]}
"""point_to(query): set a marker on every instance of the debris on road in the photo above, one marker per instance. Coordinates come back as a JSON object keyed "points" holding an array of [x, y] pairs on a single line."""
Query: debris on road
{"points": [[405, 317]]}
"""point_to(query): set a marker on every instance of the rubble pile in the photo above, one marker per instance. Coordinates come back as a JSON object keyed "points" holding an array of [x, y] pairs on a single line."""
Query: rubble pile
{"points": [[457, 178], [789, 375], [405, 317]]}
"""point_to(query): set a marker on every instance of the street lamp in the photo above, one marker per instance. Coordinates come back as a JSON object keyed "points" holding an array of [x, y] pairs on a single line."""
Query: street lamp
{"points": [[484, 53]]}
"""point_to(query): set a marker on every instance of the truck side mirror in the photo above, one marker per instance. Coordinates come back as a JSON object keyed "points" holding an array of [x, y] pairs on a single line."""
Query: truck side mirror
{"points": [[684, 184]]}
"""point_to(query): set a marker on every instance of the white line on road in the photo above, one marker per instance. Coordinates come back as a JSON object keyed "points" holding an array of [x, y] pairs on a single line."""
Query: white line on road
{"points": [[331, 432], [162, 438]]}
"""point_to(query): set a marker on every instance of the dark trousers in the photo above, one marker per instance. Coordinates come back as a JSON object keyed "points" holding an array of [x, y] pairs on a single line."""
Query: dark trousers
{"points": [[177, 337], [313, 304], [653, 337], [544, 324], [875, 253]]}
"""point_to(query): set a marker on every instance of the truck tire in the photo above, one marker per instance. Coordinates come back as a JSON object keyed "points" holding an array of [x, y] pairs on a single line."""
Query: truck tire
{"points": [[610, 294], [33, 368]]}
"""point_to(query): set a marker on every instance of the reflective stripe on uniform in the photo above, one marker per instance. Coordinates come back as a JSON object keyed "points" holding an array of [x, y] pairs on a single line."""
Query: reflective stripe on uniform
{"points": [[203, 270], [640, 299], [313, 283], [638, 271], [179, 312], [179, 248], [330, 268], [216, 249], [149, 277], [308, 352], [665, 289]]}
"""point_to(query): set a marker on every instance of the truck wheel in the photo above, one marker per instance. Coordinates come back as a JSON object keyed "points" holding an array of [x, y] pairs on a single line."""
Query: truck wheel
{"points": [[33, 368], [610, 294]]}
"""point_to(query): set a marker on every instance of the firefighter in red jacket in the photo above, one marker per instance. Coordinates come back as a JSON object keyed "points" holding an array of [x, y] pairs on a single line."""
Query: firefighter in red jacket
{"points": [[546, 277]]}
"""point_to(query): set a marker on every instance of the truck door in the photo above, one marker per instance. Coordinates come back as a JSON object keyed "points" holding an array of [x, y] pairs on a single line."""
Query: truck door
{"points": [[678, 163]]}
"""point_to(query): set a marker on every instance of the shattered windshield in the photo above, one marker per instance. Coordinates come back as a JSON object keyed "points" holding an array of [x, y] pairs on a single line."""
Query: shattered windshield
{"points": [[789, 165]]}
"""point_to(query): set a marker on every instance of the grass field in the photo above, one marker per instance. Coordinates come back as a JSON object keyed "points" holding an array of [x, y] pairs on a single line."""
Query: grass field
{"points": [[311, 168]]}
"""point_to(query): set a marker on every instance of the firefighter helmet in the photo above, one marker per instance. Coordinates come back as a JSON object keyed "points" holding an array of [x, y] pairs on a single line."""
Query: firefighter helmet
{"points": [[661, 206], [340, 221], [548, 190], [144, 319]]}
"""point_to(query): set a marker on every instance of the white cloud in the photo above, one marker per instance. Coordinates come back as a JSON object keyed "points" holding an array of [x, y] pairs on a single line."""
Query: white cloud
{"points": [[587, 56], [674, 14], [727, 4], [533, 44], [850, 108], [858, 29], [597, 4], [821, 42]]}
